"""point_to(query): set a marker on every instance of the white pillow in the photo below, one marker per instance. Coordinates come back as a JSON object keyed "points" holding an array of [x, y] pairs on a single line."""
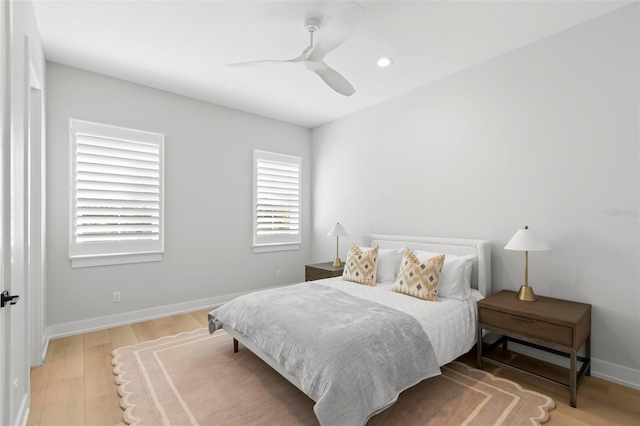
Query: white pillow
{"points": [[388, 264], [455, 277]]}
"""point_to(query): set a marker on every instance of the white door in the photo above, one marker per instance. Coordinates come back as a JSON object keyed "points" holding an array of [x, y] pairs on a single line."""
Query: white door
{"points": [[4, 142], [15, 90], [17, 247]]}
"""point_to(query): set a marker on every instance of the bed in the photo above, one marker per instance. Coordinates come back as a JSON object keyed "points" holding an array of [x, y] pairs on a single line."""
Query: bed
{"points": [[362, 345]]}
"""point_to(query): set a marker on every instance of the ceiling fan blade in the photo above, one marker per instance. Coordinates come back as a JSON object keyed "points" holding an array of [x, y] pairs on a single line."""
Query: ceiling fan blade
{"points": [[337, 30], [270, 61], [332, 77]]}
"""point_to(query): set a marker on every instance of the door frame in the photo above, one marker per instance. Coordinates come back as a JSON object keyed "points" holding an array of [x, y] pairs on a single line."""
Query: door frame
{"points": [[35, 210]]}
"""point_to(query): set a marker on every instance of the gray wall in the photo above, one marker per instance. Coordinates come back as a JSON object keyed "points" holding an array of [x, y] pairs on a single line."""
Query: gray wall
{"points": [[545, 136], [208, 201]]}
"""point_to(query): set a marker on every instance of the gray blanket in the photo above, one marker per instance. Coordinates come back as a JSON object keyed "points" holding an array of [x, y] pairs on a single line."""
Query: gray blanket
{"points": [[352, 356]]}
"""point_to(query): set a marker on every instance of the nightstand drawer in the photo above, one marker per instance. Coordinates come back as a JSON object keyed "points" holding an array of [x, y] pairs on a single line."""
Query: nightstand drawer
{"points": [[313, 274], [528, 327], [319, 271]]}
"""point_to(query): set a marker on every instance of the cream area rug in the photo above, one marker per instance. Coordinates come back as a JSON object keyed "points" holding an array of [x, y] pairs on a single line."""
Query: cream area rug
{"points": [[194, 378]]}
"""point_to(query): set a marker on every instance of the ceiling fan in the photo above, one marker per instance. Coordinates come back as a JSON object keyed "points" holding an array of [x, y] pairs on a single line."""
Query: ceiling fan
{"points": [[332, 34]]}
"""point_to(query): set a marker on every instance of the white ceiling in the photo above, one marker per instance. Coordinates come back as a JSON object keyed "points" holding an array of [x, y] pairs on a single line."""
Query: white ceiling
{"points": [[183, 46]]}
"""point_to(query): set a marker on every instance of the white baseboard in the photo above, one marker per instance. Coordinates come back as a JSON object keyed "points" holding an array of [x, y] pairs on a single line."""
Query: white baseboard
{"points": [[624, 376], [615, 373], [101, 323], [45, 344], [23, 414]]}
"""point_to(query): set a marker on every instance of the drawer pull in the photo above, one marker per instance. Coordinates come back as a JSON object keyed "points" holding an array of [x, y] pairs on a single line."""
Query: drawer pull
{"points": [[521, 319]]}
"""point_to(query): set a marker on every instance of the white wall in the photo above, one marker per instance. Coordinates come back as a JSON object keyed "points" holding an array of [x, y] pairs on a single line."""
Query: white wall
{"points": [[208, 203], [545, 136]]}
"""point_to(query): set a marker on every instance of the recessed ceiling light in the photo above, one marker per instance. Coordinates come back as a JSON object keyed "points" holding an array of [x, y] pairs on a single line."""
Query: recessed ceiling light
{"points": [[384, 62]]}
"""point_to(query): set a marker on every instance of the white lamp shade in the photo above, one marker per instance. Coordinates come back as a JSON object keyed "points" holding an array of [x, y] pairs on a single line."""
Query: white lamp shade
{"points": [[337, 231], [526, 240]]}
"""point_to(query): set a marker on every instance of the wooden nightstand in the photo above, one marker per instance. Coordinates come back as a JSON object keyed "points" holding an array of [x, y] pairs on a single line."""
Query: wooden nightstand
{"points": [[552, 325], [318, 271]]}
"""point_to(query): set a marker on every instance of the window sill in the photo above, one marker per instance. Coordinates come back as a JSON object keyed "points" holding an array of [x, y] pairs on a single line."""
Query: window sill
{"points": [[275, 247], [117, 259]]}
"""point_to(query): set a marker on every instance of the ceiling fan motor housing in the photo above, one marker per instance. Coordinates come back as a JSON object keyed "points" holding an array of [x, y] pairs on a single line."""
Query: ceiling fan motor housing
{"points": [[311, 25]]}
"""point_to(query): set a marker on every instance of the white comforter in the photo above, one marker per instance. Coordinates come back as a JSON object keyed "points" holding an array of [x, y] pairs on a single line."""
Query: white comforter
{"points": [[449, 323]]}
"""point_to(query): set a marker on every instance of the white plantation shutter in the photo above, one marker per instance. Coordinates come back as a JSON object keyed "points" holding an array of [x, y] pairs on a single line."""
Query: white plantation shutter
{"points": [[116, 193], [277, 199]]}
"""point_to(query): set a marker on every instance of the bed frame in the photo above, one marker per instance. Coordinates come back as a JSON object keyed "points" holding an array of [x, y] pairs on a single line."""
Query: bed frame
{"points": [[480, 277]]}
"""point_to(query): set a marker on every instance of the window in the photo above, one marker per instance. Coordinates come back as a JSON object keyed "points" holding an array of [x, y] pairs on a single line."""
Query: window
{"points": [[116, 195], [277, 201]]}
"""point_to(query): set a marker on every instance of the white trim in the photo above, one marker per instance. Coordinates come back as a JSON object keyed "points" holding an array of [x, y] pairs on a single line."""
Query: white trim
{"points": [[275, 247], [23, 413], [110, 321], [605, 370], [115, 259], [612, 372], [45, 345], [36, 213]]}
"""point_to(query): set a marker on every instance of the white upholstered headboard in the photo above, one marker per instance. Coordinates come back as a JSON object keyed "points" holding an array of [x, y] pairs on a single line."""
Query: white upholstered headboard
{"points": [[481, 272]]}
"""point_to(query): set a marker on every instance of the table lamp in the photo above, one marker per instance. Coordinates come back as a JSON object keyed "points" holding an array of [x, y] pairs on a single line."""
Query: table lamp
{"points": [[525, 240], [337, 231]]}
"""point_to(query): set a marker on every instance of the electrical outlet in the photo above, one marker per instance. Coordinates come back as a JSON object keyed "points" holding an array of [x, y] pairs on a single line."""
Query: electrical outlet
{"points": [[116, 297], [278, 273]]}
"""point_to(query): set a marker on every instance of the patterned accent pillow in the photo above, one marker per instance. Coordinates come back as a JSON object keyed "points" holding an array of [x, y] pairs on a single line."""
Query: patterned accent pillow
{"points": [[419, 279], [361, 266]]}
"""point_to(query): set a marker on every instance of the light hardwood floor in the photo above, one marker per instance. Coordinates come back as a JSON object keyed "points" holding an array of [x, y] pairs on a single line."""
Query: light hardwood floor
{"points": [[75, 384]]}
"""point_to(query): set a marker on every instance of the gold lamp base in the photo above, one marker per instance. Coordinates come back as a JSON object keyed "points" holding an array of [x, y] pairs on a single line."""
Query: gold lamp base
{"points": [[337, 262], [526, 294]]}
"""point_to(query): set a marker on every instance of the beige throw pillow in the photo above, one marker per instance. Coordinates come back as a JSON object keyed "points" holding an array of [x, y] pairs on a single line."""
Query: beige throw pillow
{"points": [[419, 279], [361, 266]]}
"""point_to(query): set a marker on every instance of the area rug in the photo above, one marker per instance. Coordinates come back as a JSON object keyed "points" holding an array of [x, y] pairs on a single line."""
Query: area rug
{"points": [[195, 378]]}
